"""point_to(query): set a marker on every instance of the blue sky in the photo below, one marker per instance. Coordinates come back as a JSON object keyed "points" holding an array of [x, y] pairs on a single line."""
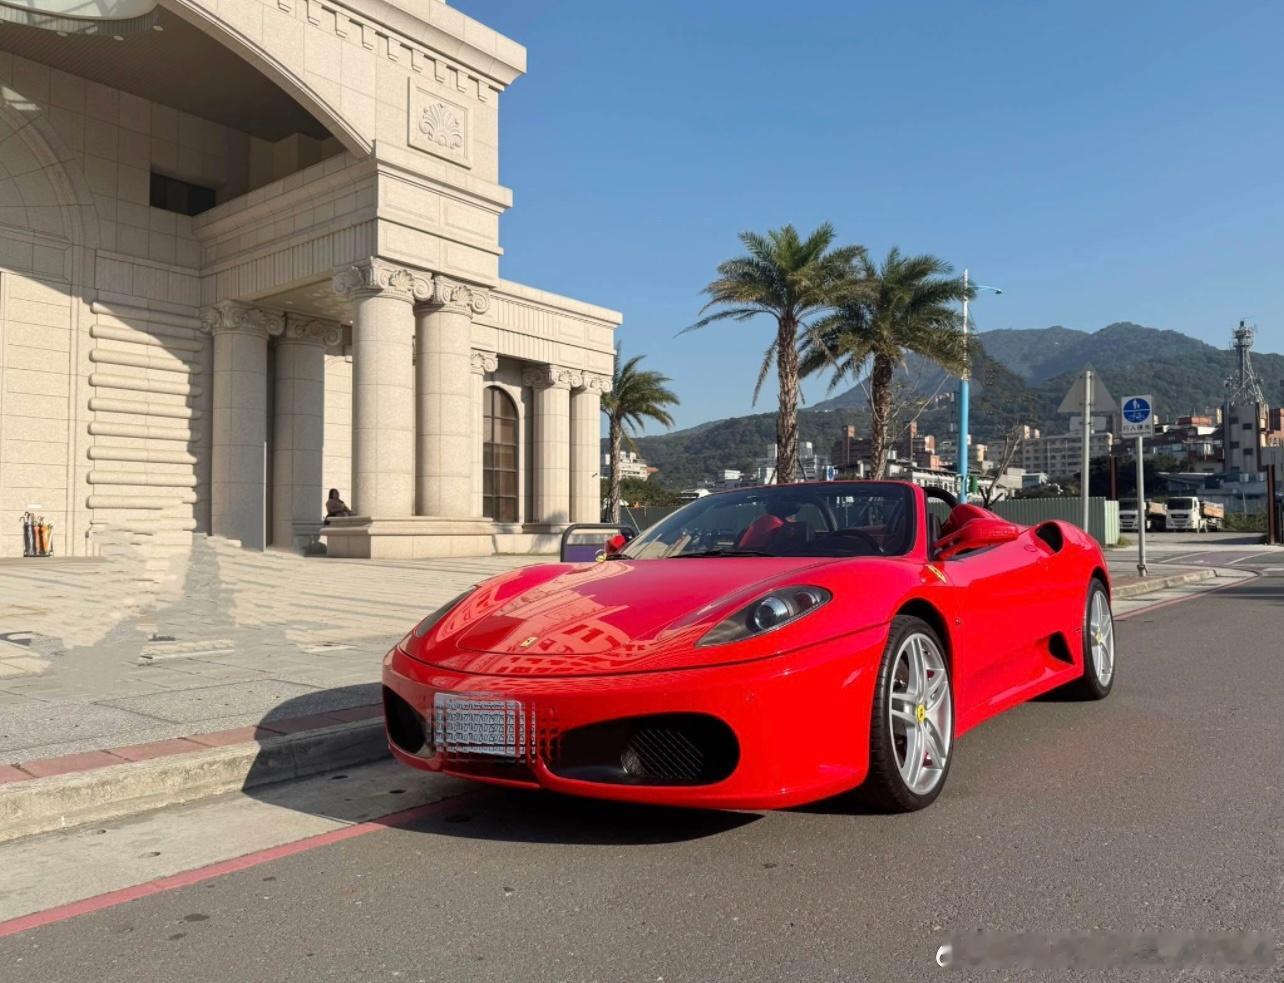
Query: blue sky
{"points": [[1099, 161]]}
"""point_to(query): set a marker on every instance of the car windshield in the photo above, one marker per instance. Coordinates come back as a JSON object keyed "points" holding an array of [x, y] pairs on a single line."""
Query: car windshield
{"points": [[832, 519], [1179, 503]]}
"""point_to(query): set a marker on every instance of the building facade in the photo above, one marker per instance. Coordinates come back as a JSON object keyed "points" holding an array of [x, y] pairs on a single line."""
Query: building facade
{"points": [[1061, 455], [249, 252]]}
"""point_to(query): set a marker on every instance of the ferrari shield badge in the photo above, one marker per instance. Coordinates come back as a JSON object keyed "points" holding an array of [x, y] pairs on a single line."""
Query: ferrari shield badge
{"points": [[528, 641]]}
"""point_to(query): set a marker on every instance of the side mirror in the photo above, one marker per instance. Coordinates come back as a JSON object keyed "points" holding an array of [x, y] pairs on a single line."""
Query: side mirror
{"points": [[585, 542], [976, 534]]}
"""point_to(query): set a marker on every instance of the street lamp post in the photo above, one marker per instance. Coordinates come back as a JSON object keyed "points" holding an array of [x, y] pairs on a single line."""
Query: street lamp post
{"points": [[965, 391]]}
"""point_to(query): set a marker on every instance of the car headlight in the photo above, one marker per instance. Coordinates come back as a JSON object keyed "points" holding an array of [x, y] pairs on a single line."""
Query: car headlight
{"points": [[769, 612], [431, 622]]}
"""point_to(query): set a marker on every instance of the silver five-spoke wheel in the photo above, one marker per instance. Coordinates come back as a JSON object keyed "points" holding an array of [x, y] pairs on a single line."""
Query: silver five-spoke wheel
{"points": [[921, 710], [1101, 637]]}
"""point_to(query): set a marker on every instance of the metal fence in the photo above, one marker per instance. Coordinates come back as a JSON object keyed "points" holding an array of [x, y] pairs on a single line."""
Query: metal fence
{"points": [[1103, 514]]}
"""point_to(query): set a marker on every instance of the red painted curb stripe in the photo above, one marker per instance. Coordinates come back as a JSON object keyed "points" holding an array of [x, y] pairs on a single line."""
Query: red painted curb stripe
{"points": [[254, 732], [1178, 600], [222, 868]]}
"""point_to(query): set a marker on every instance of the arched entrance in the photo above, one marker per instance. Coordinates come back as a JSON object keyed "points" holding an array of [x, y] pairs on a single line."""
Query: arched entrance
{"points": [[499, 456]]}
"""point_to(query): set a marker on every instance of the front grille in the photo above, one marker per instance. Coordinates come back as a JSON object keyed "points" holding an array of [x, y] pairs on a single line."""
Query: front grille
{"points": [[663, 749], [663, 754]]}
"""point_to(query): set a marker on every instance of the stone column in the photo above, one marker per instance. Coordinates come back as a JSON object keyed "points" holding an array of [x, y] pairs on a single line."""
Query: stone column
{"points": [[383, 388], [444, 444], [298, 500], [482, 363], [586, 448], [552, 466], [238, 437]]}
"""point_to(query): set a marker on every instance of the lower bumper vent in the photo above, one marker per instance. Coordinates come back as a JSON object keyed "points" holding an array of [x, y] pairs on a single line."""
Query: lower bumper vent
{"points": [[663, 749]]}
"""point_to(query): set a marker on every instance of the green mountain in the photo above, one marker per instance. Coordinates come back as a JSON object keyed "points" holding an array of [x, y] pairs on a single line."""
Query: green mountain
{"points": [[1021, 376]]}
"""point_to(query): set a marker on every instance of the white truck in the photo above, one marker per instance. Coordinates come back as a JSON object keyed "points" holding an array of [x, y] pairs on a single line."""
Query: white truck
{"points": [[1192, 514], [1156, 516]]}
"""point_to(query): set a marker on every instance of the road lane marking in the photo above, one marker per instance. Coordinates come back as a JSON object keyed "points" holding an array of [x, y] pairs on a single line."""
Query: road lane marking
{"points": [[222, 868]]}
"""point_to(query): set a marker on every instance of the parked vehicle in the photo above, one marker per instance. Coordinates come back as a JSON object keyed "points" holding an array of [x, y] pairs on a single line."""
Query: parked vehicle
{"points": [[1192, 514], [1156, 516], [759, 648]]}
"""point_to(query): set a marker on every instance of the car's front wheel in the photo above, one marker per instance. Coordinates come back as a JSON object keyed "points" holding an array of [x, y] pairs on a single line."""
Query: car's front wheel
{"points": [[912, 727]]}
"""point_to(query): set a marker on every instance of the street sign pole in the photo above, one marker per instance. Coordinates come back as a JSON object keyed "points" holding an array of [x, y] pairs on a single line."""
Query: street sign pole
{"points": [[1087, 442], [1139, 421], [1141, 511]]}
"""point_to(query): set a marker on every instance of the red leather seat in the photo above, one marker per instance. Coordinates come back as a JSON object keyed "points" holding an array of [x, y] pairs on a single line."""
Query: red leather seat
{"points": [[759, 533]]}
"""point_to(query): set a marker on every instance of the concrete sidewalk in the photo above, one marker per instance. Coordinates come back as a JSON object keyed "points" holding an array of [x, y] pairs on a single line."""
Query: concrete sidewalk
{"points": [[94, 655]]}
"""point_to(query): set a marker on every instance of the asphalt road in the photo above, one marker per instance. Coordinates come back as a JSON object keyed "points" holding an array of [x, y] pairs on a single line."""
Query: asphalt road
{"points": [[1158, 811]]}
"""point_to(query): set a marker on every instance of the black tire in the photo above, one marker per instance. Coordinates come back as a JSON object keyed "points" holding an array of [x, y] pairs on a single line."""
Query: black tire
{"points": [[1089, 686], [884, 788]]}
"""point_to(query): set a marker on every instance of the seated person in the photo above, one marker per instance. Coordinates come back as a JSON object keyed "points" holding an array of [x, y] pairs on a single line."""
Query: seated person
{"points": [[335, 507], [759, 533]]}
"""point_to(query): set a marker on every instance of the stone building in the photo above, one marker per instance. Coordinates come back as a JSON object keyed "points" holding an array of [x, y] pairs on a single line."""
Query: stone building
{"points": [[249, 251]]}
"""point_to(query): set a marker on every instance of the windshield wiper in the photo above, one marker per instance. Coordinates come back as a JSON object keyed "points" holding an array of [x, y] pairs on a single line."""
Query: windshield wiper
{"points": [[721, 552]]}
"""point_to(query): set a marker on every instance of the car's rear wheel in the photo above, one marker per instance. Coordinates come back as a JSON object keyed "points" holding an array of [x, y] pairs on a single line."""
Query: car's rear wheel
{"points": [[912, 728], [1098, 646]]}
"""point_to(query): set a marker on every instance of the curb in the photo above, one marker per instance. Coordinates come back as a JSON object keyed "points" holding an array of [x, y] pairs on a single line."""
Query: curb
{"points": [[41, 805], [1162, 583]]}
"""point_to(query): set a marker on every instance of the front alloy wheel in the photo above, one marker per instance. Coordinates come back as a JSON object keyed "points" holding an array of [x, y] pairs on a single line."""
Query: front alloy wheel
{"points": [[912, 730]]}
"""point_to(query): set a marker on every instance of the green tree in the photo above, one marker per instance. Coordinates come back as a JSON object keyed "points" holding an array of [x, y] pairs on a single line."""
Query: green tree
{"points": [[636, 395], [792, 280], [906, 305]]}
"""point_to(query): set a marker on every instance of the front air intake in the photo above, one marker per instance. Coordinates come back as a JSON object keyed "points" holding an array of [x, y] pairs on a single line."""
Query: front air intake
{"points": [[663, 749]]}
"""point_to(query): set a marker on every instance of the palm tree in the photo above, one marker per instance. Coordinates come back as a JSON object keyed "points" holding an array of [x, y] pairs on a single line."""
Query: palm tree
{"points": [[906, 305], [793, 280], [636, 395]]}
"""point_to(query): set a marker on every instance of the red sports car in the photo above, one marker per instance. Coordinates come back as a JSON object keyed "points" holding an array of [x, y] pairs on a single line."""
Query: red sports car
{"points": [[758, 648]]}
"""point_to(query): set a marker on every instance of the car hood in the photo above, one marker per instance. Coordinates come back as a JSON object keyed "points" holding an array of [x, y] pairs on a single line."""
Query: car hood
{"points": [[602, 618]]}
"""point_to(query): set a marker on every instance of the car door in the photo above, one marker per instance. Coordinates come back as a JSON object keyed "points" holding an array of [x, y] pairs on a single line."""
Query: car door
{"points": [[996, 602]]}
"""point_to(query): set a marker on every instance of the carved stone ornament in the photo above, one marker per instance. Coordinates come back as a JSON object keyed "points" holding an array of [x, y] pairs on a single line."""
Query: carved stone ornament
{"points": [[597, 383], [373, 276], [461, 297], [311, 329], [550, 377], [235, 316], [437, 126], [484, 362], [442, 126]]}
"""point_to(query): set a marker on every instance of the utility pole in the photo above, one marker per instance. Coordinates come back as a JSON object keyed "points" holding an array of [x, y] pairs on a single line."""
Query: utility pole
{"points": [[1087, 442], [1141, 511], [964, 394]]}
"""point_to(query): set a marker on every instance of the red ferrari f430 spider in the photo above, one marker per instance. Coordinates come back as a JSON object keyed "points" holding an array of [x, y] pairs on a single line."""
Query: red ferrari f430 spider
{"points": [[758, 648]]}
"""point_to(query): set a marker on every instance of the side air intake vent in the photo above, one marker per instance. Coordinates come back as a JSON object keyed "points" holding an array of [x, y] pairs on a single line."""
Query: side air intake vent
{"points": [[1051, 534]]}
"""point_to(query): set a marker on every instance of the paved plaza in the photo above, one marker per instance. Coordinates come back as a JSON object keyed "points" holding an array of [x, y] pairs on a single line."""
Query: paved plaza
{"points": [[91, 656]]}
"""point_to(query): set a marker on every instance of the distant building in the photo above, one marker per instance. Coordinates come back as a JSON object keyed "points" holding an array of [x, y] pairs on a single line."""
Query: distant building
{"points": [[631, 466], [1061, 455]]}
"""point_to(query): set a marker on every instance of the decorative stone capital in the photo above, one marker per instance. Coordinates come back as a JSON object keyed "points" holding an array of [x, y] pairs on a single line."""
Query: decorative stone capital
{"points": [[233, 316], [376, 276], [311, 330], [484, 362], [594, 383], [551, 377], [460, 298]]}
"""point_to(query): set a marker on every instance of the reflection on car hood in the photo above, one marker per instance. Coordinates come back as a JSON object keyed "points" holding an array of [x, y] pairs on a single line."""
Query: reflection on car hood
{"points": [[605, 617]]}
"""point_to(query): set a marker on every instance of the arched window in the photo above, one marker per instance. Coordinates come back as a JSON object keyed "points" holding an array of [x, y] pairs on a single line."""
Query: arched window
{"points": [[499, 456]]}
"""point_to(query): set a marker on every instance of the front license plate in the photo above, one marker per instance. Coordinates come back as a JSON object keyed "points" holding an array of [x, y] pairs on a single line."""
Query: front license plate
{"points": [[494, 728]]}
